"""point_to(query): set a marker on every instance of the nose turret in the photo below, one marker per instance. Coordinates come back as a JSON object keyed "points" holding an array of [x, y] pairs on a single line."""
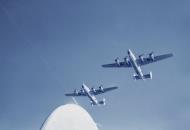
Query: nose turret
{"points": [[129, 52], [83, 85]]}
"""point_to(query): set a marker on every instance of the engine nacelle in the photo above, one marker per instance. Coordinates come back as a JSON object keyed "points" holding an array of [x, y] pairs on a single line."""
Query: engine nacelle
{"points": [[151, 56], [126, 60], [101, 89], [93, 90], [82, 91], [117, 61], [141, 58], [75, 92]]}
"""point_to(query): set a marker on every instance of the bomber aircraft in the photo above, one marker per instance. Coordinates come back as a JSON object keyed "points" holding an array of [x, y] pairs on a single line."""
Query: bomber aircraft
{"points": [[132, 61], [90, 93]]}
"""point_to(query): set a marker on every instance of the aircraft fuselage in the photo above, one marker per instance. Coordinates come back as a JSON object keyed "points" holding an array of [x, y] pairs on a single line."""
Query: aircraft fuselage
{"points": [[92, 98], [133, 62]]}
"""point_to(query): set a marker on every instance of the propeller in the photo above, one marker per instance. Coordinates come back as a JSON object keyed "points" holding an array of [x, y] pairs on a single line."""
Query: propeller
{"points": [[117, 61], [101, 88], [151, 55], [141, 57]]}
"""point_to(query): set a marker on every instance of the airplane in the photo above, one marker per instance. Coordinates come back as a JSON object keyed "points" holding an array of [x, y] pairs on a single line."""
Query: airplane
{"points": [[90, 93], [132, 61]]}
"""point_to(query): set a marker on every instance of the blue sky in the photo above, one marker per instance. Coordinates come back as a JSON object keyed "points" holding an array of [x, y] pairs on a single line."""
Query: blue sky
{"points": [[49, 47]]}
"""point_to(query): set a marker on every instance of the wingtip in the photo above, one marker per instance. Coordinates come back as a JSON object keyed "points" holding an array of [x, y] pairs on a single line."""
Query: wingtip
{"points": [[116, 87], [103, 66], [66, 94], [171, 54]]}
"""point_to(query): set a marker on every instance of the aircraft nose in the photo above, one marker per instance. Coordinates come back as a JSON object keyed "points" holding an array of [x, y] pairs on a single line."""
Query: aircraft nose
{"points": [[129, 52], [83, 85]]}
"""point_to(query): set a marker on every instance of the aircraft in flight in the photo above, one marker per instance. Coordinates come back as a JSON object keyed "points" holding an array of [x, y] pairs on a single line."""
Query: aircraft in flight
{"points": [[90, 93], [132, 61]]}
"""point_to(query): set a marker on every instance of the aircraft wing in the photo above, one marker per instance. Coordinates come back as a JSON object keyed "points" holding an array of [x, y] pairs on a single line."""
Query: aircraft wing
{"points": [[113, 65], [104, 90], [156, 58], [75, 94]]}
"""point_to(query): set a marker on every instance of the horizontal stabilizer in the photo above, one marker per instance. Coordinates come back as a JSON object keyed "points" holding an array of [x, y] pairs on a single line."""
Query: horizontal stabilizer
{"points": [[146, 76], [136, 77], [102, 102]]}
